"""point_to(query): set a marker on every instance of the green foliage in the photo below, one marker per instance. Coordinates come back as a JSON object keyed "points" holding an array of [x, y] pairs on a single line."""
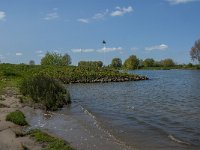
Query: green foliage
{"points": [[90, 64], [58, 145], [131, 63], [17, 117], [41, 136], [31, 62], [56, 59], [45, 90], [167, 62], [116, 63], [149, 62], [195, 51], [53, 143]]}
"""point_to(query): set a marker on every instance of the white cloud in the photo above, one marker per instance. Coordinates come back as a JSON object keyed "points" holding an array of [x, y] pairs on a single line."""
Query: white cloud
{"points": [[175, 2], [109, 49], [121, 11], [52, 16], [97, 16], [56, 51], [83, 20], [134, 49], [2, 15], [156, 47], [39, 52], [80, 50], [18, 54]]}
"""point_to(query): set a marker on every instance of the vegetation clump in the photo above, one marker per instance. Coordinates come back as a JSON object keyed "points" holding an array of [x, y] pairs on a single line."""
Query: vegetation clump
{"points": [[52, 142], [45, 90], [17, 117], [56, 59]]}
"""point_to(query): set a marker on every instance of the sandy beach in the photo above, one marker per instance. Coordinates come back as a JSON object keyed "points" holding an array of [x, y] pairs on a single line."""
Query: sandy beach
{"points": [[8, 130]]}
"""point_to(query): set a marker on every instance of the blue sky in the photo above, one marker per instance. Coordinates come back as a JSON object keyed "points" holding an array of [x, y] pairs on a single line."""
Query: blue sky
{"points": [[156, 29]]}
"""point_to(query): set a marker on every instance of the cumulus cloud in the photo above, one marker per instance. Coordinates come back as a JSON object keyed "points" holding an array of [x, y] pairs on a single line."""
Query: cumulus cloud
{"points": [[176, 2], [18, 54], [2, 15], [80, 50], [121, 11], [109, 49], [97, 16], [156, 47]]}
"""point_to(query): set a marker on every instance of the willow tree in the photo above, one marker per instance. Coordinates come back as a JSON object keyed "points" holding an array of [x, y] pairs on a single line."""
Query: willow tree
{"points": [[195, 51]]}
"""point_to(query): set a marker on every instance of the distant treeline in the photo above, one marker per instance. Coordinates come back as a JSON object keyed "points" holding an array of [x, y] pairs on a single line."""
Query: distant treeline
{"points": [[131, 63]]}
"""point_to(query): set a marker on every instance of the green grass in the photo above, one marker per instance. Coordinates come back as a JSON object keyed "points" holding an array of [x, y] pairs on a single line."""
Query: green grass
{"points": [[52, 142], [17, 117]]}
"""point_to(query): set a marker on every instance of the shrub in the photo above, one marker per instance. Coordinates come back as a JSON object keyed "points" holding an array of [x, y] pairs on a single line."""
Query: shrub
{"points": [[45, 90], [17, 117]]}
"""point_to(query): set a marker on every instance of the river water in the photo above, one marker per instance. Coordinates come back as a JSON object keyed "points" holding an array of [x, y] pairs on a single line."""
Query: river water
{"points": [[160, 113]]}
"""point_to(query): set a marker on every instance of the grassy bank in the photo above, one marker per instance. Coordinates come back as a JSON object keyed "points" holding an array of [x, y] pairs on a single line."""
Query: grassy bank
{"points": [[11, 74], [44, 84]]}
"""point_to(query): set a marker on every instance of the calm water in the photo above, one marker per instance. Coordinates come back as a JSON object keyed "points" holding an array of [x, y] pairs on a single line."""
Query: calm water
{"points": [[161, 113]]}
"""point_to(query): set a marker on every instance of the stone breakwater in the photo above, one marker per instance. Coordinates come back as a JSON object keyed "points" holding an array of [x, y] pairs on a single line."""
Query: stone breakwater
{"points": [[107, 79]]}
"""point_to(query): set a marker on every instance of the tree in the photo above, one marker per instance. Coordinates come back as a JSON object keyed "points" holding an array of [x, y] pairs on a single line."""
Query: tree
{"points": [[31, 62], [149, 62], [116, 63], [56, 59], [167, 62], [131, 63], [195, 51], [66, 59]]}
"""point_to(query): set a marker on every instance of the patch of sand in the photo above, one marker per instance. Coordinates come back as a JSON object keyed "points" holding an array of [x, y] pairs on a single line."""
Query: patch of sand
{"points": [[8, 139]]}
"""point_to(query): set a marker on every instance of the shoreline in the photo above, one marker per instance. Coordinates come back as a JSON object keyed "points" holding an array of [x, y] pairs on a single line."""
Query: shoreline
{"points": [[77, 132], [9, 130], [81, 130], [13, 136]]}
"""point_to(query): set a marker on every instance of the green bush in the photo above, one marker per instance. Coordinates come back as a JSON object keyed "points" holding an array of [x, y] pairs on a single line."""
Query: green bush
{"points": [[45, 90], [17, 117]]}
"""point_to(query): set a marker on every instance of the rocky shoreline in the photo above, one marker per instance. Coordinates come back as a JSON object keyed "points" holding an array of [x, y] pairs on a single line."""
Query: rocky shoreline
{"points": [[107, 79]]}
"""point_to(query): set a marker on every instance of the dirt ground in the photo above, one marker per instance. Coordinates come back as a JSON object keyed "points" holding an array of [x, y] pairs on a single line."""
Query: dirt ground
{"points": [[8, 130]]}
